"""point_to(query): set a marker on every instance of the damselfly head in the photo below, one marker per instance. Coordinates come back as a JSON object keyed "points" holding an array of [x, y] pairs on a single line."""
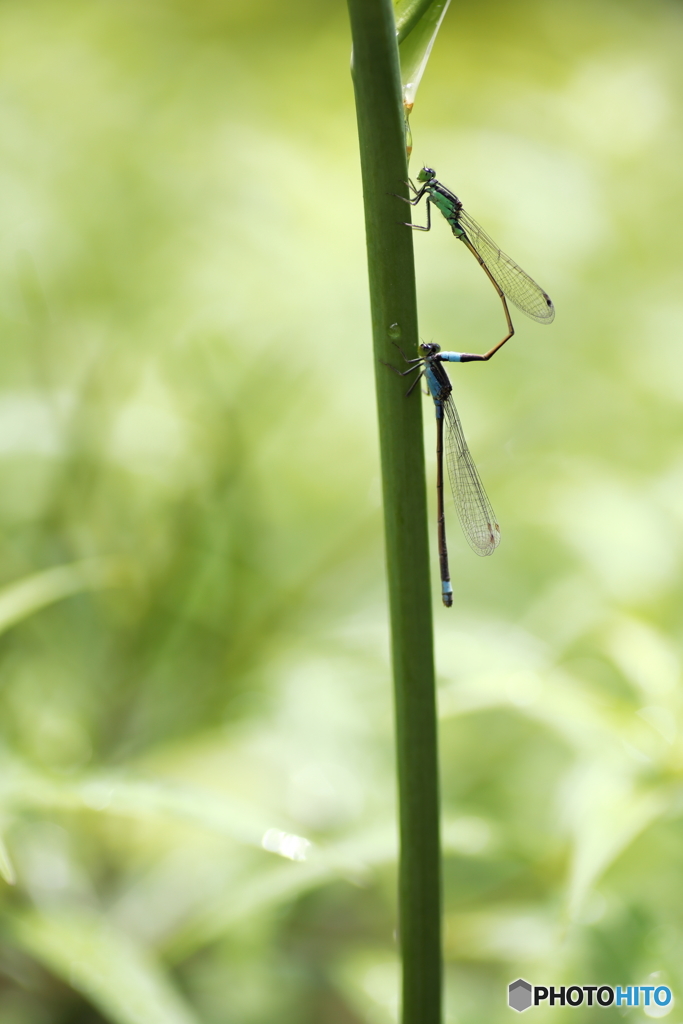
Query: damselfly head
{"points": [[426, 174], [429, 348]]}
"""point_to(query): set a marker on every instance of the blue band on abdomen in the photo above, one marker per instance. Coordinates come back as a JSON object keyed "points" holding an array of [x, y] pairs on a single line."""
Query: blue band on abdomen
{"points": [[432, 383], [450, 357]]}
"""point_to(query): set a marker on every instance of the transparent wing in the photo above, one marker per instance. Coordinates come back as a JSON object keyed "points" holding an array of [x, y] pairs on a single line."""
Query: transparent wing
{"points": [[517, 286], [477, 518]]}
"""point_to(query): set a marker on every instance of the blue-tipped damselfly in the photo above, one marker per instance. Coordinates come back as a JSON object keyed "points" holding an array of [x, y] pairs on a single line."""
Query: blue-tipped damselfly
{"points": [[477, 518]]}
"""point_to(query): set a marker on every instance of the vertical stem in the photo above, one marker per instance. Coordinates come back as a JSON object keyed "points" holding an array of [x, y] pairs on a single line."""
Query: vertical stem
{"points": [[379, 109]]}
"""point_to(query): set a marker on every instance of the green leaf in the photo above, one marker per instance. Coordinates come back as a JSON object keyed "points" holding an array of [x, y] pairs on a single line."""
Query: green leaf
{"points": [[607, 812], [6, 867], [264, 891], [407, 14], [24, 597], [417, 25], [115, 974], [135, 798]]}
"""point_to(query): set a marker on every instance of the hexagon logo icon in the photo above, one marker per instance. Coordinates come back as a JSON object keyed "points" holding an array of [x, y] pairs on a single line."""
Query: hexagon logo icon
{"points": [[519, 995]]}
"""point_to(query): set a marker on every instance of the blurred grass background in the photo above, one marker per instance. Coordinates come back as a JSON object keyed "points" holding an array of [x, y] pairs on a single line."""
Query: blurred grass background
{"points": [[193, 648]]}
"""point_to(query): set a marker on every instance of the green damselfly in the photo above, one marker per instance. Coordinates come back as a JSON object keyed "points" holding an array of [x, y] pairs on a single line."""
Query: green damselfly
{"points": [[477, 518], [509, 280]]}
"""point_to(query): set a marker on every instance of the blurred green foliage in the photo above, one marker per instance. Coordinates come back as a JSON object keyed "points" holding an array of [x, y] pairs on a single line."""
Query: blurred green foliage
{"points": [[193, 644]]}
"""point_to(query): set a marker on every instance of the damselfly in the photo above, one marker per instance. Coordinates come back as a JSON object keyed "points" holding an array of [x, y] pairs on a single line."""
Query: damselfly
{"points": [[477, 518], [509, 280]]}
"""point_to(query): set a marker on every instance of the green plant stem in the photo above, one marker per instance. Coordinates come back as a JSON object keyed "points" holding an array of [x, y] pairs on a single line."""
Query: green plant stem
{"points": [[379, 109]]}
